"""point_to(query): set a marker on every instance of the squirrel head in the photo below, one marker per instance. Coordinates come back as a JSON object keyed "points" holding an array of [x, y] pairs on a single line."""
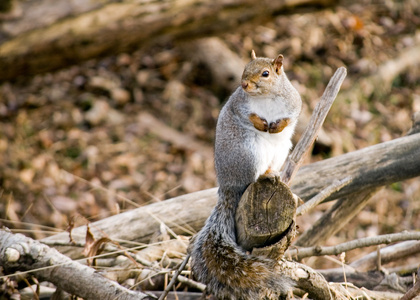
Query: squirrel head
{"points": [[261, 74]]}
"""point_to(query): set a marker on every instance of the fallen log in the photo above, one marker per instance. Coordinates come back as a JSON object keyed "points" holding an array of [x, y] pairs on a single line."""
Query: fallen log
{"points": [[20, 253], [376, 165], [344, 209], [41, 35]]}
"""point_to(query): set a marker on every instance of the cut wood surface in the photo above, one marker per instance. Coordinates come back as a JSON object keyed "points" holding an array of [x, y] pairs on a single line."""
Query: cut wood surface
{"points": [[43, 35], [376, 165], [265, 214]]}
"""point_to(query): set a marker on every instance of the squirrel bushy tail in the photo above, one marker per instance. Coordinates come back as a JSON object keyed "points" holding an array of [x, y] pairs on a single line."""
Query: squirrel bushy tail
{"points": [[219, 262]]}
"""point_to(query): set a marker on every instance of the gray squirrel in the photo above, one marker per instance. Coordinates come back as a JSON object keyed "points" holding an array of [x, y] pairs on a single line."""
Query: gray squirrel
{"points": [[253, 139]]}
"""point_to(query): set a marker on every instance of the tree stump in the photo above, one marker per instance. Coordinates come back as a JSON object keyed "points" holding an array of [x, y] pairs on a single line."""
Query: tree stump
{"points": [[265, 218]]}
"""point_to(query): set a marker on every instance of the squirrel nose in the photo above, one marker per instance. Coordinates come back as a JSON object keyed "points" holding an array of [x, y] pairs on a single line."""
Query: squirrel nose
{"points": [[244, 85]]}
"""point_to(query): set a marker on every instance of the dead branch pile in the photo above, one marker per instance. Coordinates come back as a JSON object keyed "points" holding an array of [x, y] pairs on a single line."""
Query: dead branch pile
{"points": [[122, 256], [152, 91]]}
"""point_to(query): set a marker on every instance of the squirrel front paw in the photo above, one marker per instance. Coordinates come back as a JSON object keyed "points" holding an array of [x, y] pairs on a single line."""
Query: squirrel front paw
{"points": [[278, 126], [259, 123], [262, 124]]}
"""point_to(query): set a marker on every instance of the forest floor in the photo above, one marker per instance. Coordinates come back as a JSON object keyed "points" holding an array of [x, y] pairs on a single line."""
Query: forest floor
{"points": [[77, 143]]}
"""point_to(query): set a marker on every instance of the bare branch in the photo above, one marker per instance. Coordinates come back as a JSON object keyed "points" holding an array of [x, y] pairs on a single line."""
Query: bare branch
{"points": [[325, 193], [191, 283], [307, 279], [388, 254], [349, 206], [415, 290], [321, 110], [359, 243], [335, 218], [372, 166], [20, 253], [349, 291], [174, 278]]}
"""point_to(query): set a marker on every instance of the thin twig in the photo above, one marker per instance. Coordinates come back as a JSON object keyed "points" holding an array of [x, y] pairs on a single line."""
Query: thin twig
{"points": [[174, 278], [319, 114], [192, 283], [74, 278], [321, 196], [335, 217], [388, 254], [343, 261], [415, 290], [359, 243]]}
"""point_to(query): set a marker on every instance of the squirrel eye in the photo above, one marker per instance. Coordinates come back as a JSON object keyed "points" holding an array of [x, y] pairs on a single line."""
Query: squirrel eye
{"points": [[265, 74]]}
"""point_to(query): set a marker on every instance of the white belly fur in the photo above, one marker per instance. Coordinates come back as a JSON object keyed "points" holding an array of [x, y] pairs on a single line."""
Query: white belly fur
{"points": [[272, 149], [269, 109]]}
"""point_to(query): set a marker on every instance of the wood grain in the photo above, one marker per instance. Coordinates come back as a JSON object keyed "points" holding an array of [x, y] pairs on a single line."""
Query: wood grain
{"points": [[265, 212]]}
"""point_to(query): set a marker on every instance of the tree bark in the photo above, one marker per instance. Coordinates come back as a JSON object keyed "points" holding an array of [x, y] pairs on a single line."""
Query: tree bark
{"points": [[372, 166], [387, 254], [20, 253], [308, 280], [344, 210], [301, 253], [43, 35], [184, 215], [338, 216]]}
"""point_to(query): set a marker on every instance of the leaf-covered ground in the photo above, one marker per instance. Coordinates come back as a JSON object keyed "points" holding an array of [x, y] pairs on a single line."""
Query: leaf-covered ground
{"points": [[74, 144]]}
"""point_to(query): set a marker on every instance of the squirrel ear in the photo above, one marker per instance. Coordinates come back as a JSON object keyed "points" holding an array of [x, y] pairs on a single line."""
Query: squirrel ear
{"points": [[278, 63], [253, 56]]}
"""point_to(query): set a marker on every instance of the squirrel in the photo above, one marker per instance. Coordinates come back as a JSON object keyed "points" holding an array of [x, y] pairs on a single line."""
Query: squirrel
{"points": [[253, 139]]}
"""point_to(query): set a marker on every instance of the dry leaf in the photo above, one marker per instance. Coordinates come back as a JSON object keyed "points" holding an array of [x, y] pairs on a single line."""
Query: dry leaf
{"points": [[96, 249], [70, 228], [90, 240]]}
